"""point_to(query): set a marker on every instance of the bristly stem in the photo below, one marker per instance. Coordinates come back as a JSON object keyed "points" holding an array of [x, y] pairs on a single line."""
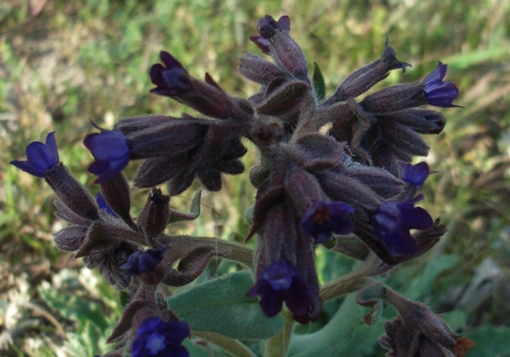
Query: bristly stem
{"points": [[231, 250], [343, 286], [349, 283]]}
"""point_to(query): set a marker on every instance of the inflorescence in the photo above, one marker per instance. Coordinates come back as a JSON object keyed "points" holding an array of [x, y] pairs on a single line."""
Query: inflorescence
{"points": [[332, 169]]}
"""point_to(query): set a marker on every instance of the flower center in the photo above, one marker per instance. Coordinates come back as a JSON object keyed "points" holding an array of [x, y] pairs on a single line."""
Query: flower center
{"points": [[155, 343], [320, 216]]}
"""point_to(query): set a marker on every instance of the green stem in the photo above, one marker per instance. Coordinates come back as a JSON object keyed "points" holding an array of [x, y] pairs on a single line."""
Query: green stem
{"points": [[233, 251], [278, 345], [343, 286], [349, 283], [234, 347]]}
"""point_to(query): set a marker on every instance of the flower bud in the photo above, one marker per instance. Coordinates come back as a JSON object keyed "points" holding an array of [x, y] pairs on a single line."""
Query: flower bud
{"points": [[71, 192], [418, 331], [70, 238], [258, 69], [361, 80], [285, 99], [170, 138], [117, 196], [275, 40], [172, 80], [380, 181], [154, 217], [135, 124], [395, 98], [303, 189], [420, 120]]}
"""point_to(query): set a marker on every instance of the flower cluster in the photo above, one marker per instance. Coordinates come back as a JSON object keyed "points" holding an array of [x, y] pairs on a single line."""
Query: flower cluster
{"points": [[314, 187]]}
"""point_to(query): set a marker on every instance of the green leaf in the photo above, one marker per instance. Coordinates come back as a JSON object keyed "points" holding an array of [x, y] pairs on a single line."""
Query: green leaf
{"points": [[329, 340], [490, 341], [220, 305], [331, 265], [89, 342], [318, 82], [456, 319], [75, 308], [422, 284], [466, 60], [363, 342]]}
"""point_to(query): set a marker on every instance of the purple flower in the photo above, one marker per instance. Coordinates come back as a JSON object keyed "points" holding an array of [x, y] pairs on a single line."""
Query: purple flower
{"points": [[322, 219], [40, 157], [104, 206], [437, 92], [171, 79], [111, 151], [141, 262], [156, 338], [414, 175], [281, 282], [392, 223]]}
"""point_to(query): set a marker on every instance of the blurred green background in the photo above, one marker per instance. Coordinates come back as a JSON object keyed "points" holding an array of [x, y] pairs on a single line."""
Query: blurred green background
{"points": [[63, 63]]}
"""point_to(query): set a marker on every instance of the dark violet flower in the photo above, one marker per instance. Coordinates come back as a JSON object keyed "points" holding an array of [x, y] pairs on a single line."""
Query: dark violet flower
{"points": [[322, 219], [414, 175], [156, 338], [104, 206], [140, 262], [392, 223], [40, 157], [171, 78], [281, 282], [437, 92], [111, 151]]}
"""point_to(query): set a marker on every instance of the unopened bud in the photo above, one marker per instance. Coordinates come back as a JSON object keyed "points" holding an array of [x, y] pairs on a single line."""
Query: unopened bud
{"points": [[258, 69], [286, 99], [71, 192], [420, 120], [395, 98], [361, 80], [116, 194], [154, 217], [275, 40]]}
